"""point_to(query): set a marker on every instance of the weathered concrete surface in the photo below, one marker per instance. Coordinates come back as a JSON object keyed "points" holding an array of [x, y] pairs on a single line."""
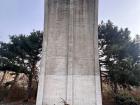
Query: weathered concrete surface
{"points": [[69, 68]]}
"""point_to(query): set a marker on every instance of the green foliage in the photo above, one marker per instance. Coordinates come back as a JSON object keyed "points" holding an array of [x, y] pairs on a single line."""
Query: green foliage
{"points": [[137, 98], [125, 99], [8, 60], [119, 55], [22, 54], [125, 73], [113, 43]]}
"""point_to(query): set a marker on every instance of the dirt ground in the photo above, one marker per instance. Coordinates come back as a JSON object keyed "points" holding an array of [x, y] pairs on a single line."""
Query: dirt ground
{"points": [[17, 103]]}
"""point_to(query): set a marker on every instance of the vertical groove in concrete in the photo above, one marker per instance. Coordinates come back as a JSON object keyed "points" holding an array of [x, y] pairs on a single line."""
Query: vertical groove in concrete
{"points": [[69, 68], [70, 54], [67, 92]]}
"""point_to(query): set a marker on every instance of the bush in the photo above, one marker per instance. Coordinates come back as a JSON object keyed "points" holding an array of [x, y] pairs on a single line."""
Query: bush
{"points": [[138, 99], [125, 99]]}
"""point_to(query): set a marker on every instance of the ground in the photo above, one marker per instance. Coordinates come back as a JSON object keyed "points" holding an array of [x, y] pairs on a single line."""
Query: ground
{"points": [[17, 103]]}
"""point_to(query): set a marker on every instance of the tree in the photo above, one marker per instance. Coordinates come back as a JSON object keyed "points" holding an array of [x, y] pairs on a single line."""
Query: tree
{"points": [[21, 55], [118, 55]]}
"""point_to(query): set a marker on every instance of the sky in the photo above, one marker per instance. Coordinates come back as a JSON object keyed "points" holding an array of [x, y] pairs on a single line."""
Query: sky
{"points": [[24, 16]]}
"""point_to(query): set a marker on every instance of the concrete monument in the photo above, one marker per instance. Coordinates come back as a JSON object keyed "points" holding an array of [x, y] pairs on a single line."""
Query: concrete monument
{"points": [[69, 67]]}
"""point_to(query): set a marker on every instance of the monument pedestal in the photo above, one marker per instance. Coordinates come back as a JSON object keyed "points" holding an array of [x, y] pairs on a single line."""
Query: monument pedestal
{"points": [[70, 67]]}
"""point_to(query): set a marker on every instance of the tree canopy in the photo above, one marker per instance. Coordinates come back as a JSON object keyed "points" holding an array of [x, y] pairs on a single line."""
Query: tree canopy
{"points": [[119, 55], [21, 55]]}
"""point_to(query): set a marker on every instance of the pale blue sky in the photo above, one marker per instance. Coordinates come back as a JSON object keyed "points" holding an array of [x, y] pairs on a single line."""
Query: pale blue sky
{"points": [[22, 16]]}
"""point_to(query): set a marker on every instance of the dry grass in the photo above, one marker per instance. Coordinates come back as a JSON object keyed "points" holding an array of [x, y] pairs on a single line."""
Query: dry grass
{"points": [[107, 95], [17, 103], [16, 94]]}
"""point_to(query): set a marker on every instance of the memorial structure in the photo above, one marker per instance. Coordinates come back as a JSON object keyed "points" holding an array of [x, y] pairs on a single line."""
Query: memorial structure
{"points": [[69, 66]]}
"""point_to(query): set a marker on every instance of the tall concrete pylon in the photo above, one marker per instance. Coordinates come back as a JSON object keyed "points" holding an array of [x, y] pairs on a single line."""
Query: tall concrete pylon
{"points": [[70, 65]]}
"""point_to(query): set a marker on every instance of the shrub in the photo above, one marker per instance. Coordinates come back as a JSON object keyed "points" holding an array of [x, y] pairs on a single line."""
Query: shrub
{"points": [[137, 98], [125, 99]]}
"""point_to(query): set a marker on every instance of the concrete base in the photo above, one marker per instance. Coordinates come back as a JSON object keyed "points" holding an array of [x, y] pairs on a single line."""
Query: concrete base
{"points": [[79, 88]]}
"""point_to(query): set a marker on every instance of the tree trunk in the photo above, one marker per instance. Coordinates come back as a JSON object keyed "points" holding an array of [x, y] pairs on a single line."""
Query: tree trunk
{"points": [[30, 86], [115, 88], [31, 75], [111, 85], [30, 80]]}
